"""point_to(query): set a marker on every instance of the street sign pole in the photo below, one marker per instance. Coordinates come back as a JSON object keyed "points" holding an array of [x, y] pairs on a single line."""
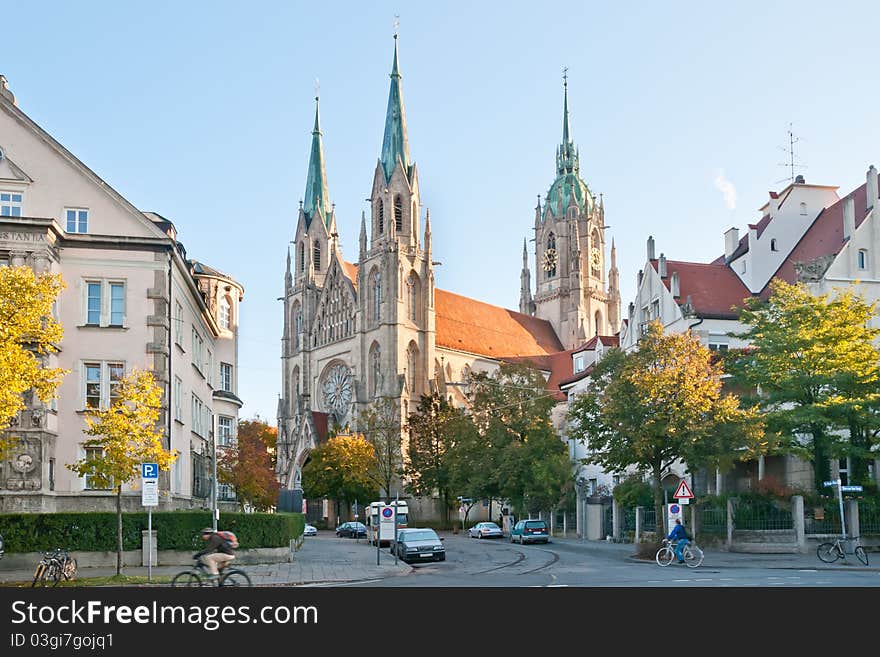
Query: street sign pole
{"points": [[396, 502], [149, 544], [149, 499], [840, 499]]}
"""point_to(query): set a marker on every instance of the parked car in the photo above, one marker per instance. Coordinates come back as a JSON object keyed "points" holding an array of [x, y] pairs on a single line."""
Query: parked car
{"points": [[352, 530], [310, 530], [415, 544], [530, 531], [485, 530]]}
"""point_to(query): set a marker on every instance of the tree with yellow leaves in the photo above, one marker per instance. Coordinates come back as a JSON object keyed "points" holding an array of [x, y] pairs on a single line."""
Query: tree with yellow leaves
{"points": [[649, 408], [28, 335], [127, 434]]}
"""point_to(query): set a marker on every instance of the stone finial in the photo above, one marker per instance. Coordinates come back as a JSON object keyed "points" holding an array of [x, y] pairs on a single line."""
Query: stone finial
{"points": [[4, 90]]}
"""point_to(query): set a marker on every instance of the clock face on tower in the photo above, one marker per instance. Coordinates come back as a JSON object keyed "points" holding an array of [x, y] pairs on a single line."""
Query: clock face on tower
{"points": [[595, 258], [336, 390], [549, 260]]}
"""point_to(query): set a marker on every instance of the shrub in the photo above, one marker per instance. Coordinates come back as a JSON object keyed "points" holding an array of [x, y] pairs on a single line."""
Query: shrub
{"points": [[633, 492], [176, 530]]}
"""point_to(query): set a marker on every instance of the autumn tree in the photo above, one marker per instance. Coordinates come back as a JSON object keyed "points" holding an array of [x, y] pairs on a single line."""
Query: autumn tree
{"points": [[127, 434], [433, 429], [664, 402], [28, 335], [814, 362], [339, 469], [380, 425], [511, 411], [248, 465]]}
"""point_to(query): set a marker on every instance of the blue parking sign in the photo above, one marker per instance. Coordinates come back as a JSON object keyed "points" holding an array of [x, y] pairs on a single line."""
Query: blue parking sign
{"points": [[149, 470]]}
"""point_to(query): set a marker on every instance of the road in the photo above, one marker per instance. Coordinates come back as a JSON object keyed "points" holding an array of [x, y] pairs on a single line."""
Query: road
{"points": [[574, 563]]}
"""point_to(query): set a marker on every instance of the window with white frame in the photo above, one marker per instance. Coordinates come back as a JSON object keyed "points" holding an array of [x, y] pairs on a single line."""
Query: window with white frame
{"points": [[198, 345], [104, 303], [718, 342], [178, 399], [198, 416], [226, 377], [178, 324], [10, 203], [863, 258], [210, 367], [225, 431], [225, 314], [580, 363], [77, 220], [101, 381], [89, 481]]}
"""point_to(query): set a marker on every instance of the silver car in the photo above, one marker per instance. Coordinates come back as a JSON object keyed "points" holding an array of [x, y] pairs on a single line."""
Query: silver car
{"points": [[485, 530], [310, 530], [418, 545]]}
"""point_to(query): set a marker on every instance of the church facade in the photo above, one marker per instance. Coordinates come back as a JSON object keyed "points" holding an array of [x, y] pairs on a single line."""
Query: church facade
{"points": [[379, 328]]}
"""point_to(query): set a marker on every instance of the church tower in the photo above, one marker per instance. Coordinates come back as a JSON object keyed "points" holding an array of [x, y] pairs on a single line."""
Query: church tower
{"points": [[570, 253]]}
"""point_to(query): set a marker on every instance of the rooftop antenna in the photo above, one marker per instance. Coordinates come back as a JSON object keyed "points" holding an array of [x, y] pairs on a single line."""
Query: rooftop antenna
{"points": [[396, 24], [789, 150]]}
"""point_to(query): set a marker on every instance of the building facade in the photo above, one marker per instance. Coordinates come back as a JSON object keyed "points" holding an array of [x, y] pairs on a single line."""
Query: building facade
{"points": [[132, 300], [355, 332]]}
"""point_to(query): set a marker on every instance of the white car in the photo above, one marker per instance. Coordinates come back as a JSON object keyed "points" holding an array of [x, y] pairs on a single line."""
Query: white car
{"points": [[485, 530], [310, 530]]}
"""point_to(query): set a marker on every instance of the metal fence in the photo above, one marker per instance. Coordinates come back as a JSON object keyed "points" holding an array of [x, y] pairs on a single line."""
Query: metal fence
{"points": [[711, 519], [608, 521], [753, 515], [822, 518], [869, 519]]}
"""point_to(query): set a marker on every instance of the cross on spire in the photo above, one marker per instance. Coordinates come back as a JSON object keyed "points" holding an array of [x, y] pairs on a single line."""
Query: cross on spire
{"points": [[396, 24]]}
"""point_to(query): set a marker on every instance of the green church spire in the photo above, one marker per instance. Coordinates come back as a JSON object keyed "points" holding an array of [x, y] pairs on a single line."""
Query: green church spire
{"points": [[566, 154], [317, 197], [394, 144]]}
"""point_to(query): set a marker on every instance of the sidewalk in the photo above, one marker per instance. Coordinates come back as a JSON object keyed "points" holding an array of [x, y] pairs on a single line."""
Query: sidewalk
{"points": [[322, 559]]}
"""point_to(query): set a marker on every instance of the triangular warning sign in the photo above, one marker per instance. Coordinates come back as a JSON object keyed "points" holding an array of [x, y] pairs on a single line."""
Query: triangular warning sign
{"points": [[683, 491]]}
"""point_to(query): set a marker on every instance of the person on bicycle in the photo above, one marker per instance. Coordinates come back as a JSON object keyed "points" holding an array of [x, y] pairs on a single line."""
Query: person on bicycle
{"points": [[679, 535], [217, 553]]}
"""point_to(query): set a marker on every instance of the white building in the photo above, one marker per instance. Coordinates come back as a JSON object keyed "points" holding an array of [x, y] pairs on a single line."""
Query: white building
{"points": [[132, 299]]}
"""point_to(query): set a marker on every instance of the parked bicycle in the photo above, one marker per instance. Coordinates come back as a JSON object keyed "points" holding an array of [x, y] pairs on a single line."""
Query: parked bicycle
{"points": [[831, 552], [692, 553], [1, 546], [198, 575], [55, 565]]}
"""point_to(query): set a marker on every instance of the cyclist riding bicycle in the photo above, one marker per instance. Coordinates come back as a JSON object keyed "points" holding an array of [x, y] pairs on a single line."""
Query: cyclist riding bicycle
{"points": [[218, 552], [679, 535]]}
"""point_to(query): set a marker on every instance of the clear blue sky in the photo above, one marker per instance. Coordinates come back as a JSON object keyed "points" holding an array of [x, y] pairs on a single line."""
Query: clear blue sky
{"points": [[202, 111]]}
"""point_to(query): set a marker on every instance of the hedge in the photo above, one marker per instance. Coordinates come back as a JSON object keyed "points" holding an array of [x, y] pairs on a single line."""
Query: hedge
{"points": [[176, 530]]}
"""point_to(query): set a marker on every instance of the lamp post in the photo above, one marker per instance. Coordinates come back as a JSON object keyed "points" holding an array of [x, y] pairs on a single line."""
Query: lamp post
{"points": [[215, 511]]}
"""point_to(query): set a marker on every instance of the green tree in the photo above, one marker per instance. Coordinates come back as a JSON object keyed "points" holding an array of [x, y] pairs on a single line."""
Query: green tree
{"points": [[814, 360], [511, 410], [128, 434], [664, 402], [28, 335], [340, 470], [380, 425], [248, 465], [433, 429]]}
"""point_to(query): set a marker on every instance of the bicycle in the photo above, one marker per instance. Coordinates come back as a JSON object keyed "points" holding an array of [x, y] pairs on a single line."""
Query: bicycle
{"points": [[55, 565], [831, 552], [692, 553], [198, 575]]}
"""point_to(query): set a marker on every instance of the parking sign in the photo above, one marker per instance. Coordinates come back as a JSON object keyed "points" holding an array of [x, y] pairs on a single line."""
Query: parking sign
{"points": [[149, 470]]}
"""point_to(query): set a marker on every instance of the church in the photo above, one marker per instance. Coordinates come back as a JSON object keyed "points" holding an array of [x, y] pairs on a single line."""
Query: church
{"points": [[355, 332]]}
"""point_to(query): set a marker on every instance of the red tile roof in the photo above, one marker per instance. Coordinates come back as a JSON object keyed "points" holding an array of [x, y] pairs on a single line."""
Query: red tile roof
{"points": [[713, 288], [480, 328], [351, 272]]}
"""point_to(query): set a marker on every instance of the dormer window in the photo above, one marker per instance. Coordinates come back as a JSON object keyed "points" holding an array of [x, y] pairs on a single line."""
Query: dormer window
{"points": [[773, 246], [803, 208], [580, 363], [10, 204], [863, 258]]}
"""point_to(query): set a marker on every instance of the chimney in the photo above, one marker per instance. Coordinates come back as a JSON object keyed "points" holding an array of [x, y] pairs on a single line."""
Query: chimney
{"points": [[731, 241], [799, 180], [872, 187], [639, 278], [675, 285], [650, 248], [632, 310], [661, 266], [849, 217]]}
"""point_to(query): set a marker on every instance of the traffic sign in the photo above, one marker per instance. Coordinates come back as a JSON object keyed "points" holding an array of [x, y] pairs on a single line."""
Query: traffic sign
{"points": [[683, 491], [149, 470], [150, 492], [851, 489], [830, 483]]}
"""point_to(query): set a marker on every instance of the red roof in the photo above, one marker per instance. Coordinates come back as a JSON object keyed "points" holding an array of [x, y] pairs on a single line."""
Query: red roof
{"points": [[351, 272], [713, 288], [481, 328]]}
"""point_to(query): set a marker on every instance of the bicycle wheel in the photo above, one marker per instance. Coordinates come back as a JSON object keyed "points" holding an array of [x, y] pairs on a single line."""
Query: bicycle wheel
{"points": [[39, 573], [828, 552], [664, 556], [861, 554], [235, 578], [693, 555], [186, 578]]}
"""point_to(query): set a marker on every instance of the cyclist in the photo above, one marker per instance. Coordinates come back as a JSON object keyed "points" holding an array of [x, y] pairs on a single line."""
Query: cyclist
{"points": [[217, 553], [679, 535]]}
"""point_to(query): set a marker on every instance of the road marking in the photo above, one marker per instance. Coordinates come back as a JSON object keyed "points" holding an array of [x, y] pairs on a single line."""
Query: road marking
{"points": [[813, 570]]}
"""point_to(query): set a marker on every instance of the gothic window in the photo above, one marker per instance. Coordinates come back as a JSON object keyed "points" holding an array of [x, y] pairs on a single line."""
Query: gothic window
{"points": [[773, 246], [595, 254], [550, 256], [380, 213], [415, 214], [398, 214], [297, 325], [375, 370], [598, 323], [302, 256], [412, 294], [375, 296], [412, 359], [317, 256]]}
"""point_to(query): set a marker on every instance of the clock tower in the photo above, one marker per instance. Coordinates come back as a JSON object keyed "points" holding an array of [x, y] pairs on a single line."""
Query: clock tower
{"points": [[574, 290]]}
